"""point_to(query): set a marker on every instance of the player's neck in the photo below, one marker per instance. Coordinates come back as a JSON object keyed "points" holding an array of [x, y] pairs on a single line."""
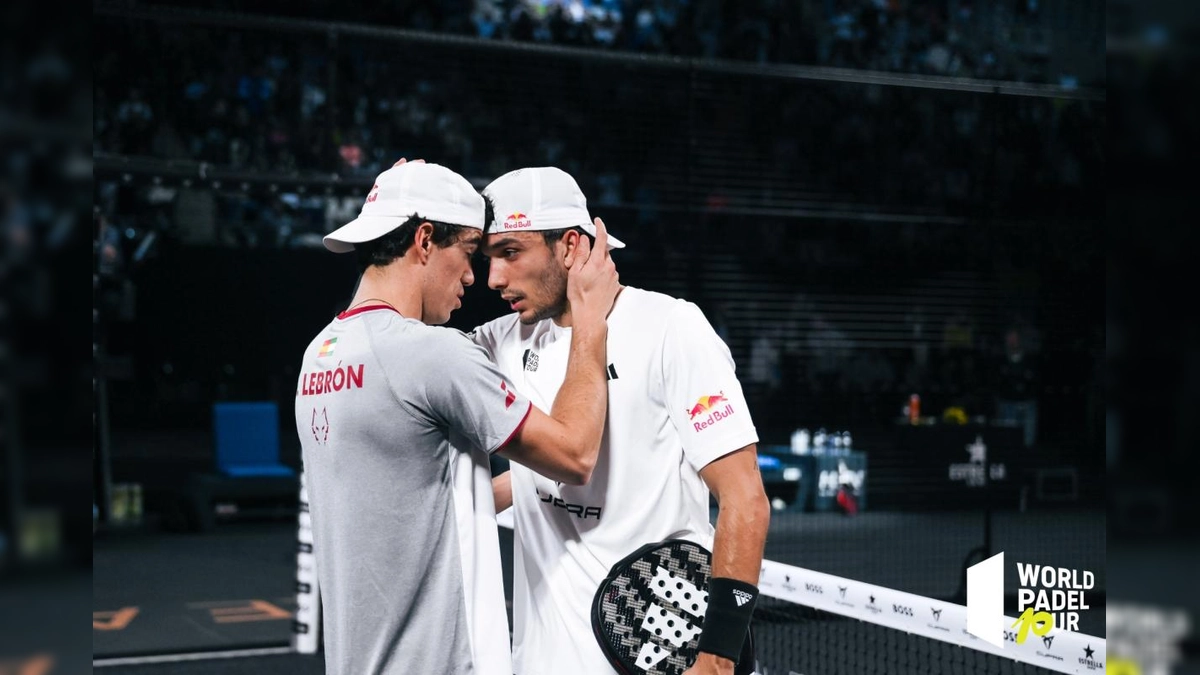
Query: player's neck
{"points": [[563, 320], [389, 286]]}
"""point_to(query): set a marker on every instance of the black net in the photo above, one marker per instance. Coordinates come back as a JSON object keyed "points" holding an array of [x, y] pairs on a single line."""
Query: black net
{"points": [[793, 639], [926, 552]]}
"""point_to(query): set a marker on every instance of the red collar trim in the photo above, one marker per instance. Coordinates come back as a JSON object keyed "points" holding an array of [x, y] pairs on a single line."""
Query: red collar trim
{"points": [[359, 310]]}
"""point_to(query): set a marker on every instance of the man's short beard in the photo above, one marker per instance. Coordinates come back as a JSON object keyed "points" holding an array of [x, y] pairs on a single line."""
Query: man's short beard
{"points": [[554, 285]]}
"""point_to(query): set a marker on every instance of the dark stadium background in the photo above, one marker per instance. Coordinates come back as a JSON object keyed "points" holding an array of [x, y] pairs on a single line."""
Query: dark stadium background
{"points": [[865, 198]]}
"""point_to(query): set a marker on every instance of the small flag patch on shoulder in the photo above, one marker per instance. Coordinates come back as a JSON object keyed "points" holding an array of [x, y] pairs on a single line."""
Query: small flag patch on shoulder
{"points": [[327, 348]]}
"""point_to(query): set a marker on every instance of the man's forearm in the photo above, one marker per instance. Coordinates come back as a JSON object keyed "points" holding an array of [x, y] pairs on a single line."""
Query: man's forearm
{"points": [[741, 535], [738, 544], [502, 491], [582, 401]]}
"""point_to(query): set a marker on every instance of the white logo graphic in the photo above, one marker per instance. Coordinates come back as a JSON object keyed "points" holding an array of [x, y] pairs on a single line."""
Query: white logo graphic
{"points": [[829, 480], [977, 471], [978, 451], [742, 597], [985, 600]]}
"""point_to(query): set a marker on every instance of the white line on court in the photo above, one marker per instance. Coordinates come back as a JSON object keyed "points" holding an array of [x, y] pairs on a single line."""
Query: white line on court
{"points": [[194, 656]]}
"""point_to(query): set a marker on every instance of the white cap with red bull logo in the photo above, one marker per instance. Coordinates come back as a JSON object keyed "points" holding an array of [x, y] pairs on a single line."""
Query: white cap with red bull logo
{"points": [[430, 191], [540, 198]]}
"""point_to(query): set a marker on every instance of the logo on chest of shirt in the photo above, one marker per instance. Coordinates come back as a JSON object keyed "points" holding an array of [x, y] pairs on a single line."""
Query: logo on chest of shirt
{"points": [[530, 360], [707, 411], [580, 511]]}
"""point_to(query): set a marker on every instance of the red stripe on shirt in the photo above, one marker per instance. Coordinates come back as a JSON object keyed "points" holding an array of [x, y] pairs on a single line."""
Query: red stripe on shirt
{"points": [[516, 430]]}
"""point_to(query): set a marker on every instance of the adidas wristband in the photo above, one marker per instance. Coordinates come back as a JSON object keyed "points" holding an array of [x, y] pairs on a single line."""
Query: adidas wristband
{"points": [[730, 605]]}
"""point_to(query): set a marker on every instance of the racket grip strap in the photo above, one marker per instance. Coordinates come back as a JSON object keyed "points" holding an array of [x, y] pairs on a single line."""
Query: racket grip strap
{"points": [[730, 606]]}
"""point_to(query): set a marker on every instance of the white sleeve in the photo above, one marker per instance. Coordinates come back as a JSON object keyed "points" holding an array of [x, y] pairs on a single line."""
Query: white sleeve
{"points": [[702, 392]]}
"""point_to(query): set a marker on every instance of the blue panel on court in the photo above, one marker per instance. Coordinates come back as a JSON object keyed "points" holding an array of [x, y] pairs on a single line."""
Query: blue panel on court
{"points": [[247, 439]]}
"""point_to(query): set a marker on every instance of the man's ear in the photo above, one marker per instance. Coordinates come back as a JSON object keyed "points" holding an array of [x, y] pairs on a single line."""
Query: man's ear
{"points": [[423, 242], [570, 246]]}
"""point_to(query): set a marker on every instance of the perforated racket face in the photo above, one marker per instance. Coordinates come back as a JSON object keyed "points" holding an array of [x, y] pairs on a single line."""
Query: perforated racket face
{"points": [[647, 614]]}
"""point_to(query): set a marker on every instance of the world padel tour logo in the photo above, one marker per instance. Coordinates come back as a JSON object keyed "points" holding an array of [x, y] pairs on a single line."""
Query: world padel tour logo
{"points": [[1048, 598], [1057, 591], [708, 404]]}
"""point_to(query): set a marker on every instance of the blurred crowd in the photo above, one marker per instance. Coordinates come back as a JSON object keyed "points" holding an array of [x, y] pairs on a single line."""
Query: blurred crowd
{"points": [[680, 161], [283, 103], [1004, 40], [914, 36]]}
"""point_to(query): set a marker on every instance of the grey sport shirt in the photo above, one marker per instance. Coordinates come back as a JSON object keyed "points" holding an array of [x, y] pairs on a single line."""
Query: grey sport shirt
{"points": [[396, 420]]}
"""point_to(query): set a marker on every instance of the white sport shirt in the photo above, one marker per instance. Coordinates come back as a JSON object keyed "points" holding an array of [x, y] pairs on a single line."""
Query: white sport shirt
{"points": [[674, 405]]}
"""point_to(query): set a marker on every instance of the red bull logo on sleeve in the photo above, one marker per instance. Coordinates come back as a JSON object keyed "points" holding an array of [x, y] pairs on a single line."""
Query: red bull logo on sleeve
{"points": [[708, 409], [517, 221]]}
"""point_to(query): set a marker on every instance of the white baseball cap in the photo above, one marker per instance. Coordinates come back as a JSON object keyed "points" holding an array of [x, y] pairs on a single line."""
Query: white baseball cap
{"points": [[540, 198], [430, 191]]}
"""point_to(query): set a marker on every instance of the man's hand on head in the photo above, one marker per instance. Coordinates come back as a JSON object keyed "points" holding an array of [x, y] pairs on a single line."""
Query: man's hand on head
{"points": [[592, 281]]}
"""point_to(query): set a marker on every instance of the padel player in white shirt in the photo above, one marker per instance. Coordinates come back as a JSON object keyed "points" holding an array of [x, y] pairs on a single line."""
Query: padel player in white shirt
{"points": [[678, 426]]}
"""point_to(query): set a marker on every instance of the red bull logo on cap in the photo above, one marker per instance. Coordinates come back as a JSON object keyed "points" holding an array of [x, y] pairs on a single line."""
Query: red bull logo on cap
{"points": [[709, 404], [516, 221], [373, 194]]}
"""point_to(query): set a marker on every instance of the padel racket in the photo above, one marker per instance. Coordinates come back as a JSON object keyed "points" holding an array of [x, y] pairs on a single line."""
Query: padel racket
{"points": [[648, 613]]}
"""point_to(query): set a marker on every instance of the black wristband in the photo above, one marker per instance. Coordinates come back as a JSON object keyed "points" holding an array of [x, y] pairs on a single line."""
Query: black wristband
{"points": [[730, 605]]}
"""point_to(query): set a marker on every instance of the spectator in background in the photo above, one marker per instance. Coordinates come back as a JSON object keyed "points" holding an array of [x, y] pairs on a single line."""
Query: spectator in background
{"points": [[487, 19], [958, 341], [918, 369], [108, 238], [1017, 385], [134, 122], [831, 349], [765, 360]]}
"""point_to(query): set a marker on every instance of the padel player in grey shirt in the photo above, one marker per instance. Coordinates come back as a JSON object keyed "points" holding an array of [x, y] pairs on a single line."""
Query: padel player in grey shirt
{"points": [[396, 418]]}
